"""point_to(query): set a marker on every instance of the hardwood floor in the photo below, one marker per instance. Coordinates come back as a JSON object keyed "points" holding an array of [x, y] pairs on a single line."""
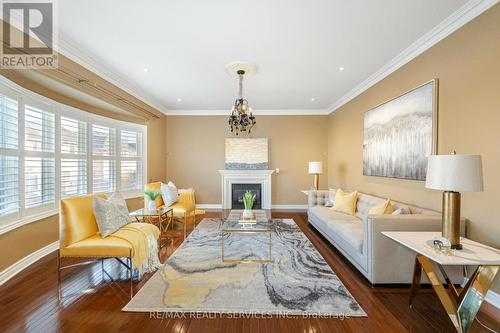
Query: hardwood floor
{"points": [[90, 303]]}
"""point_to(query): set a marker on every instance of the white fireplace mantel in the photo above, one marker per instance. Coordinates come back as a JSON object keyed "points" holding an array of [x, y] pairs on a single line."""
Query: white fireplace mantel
{"points": [[262, 177]]}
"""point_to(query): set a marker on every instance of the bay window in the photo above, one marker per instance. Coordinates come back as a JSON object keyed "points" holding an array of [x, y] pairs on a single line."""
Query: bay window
{"points": [[49, 151]]}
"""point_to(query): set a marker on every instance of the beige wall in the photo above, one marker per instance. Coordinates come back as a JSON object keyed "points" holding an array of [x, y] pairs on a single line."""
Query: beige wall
{"points": [[467, 64], [195, 151], [18, 243]]}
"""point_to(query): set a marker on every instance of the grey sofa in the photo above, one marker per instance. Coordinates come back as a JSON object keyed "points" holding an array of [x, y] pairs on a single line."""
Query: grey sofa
{"points": [[359, 238]]}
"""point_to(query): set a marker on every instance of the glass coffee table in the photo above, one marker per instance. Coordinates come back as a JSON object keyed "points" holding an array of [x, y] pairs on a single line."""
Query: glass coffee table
{"points": [[235, 224]]}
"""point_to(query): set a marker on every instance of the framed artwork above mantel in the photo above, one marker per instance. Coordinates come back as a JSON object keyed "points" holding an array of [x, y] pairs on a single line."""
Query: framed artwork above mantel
{"points": [[400, 134]]}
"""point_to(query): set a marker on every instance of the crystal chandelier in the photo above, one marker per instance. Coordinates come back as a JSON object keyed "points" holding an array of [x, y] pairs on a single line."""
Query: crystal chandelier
{"points": [[241, 118]]}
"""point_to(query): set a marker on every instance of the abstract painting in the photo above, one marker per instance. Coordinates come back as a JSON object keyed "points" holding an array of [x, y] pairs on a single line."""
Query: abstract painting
{"points": [[400, 134], [246, 154]]}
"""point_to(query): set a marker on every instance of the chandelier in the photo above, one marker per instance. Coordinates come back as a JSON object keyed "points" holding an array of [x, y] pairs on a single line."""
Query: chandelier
{"points": [[241, 119]]}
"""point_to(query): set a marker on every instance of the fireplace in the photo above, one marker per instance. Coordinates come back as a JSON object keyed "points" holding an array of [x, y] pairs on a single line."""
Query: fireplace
{"points": [[237, 191], [250, 177]]}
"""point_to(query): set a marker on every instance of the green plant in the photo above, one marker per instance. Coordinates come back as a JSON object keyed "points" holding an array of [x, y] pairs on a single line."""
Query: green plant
{"points": [[152, 194], [248, 199]]}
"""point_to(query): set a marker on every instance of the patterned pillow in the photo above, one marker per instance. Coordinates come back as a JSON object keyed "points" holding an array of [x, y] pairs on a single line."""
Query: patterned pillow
{"points": [[330, 200], [169, 194], [110, 214]]}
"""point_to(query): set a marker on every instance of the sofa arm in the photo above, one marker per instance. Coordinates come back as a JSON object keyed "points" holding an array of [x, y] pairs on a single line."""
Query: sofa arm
{"points": [[316, 198], [389, 261]]}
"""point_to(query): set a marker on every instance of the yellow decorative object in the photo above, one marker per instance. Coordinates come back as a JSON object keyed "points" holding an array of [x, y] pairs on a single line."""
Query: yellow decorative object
{"points": [[79, 236], [391, 208], [345, 203], [137, 235], [183, 208], [379, 209]]}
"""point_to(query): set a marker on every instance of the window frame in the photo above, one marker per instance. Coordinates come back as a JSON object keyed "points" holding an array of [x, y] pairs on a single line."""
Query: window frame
{"points": [[23, 96]]}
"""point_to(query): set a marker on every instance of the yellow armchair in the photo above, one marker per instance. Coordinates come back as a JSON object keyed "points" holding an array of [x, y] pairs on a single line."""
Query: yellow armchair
{"points": [[78, 234], [182, 209]]}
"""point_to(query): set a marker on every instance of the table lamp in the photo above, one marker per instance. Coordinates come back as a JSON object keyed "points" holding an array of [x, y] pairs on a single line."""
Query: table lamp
{"points": [[316, 169], [454, 174]]}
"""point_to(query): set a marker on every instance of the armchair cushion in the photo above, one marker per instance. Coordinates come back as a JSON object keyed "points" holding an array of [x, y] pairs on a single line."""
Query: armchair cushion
{"points": [[180, 208], [96, 246], [77, 221]]}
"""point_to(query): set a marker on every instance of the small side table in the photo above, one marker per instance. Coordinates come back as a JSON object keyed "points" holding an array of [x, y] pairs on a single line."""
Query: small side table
{"points": [[162, 217], [462, 307]]}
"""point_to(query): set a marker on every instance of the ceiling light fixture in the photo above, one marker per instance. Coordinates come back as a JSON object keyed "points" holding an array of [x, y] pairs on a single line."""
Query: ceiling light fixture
{"points": [[179, 100], [146, 70], [313, 99], [341, 68], [241, 119]]}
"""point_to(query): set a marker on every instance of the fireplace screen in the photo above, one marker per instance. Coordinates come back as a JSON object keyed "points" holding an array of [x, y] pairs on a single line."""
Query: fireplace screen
{"points": [[237, 191]]}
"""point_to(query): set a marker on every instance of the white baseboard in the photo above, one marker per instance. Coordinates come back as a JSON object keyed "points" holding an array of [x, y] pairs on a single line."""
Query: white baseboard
{"points": [[209, 206], [289, 207], [30, 259], [493, 298], [278, 207]]}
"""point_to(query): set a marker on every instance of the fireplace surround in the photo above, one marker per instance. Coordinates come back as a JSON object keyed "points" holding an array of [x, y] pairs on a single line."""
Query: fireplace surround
{"points": [[230, 177]]}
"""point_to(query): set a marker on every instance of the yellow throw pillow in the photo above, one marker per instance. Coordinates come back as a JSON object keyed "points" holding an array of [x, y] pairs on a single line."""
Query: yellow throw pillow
{"points": [[379, 209], [391, 208], [345, 203]]}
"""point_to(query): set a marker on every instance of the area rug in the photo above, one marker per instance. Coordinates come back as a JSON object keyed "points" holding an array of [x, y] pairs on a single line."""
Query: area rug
{"points": [[297, 282]]}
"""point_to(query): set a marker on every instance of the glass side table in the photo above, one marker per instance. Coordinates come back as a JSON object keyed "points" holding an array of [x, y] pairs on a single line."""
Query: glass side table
{"points": [[161, 217]]}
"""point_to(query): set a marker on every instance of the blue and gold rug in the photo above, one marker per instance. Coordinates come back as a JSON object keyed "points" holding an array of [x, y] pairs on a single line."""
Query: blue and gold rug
{"points": [[194, 278]]}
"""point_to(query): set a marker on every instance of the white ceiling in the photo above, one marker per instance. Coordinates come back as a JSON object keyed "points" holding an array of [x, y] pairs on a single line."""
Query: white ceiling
{"points": [[298, 46]]}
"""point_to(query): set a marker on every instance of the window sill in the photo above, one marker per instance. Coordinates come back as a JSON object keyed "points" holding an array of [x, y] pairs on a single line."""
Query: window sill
{"points": [[9, 226]]}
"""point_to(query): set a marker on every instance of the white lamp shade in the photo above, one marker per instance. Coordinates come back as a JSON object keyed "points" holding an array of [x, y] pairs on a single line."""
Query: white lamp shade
{"points": [[458, 173], [316, 167]]}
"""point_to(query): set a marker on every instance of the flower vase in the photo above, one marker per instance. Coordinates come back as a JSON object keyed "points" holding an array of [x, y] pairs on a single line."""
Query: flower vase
{"points": [[152, 205], [247, 213]]}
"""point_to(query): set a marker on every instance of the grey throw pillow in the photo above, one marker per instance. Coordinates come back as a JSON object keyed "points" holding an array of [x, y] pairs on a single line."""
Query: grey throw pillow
{"points": [[110, 214]]}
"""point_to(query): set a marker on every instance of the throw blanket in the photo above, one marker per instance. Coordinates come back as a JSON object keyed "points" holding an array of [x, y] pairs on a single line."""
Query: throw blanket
{"points": [[144, 240]]}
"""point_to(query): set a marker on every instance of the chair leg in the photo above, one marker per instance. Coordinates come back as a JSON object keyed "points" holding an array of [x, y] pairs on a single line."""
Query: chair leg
{"points": [[185, 224], [59, 275], [102, 268], [130, 271]]}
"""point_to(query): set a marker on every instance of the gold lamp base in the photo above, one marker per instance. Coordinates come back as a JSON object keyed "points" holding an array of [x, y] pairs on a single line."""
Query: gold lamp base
{"points": [[316, 181], [451, 218]]}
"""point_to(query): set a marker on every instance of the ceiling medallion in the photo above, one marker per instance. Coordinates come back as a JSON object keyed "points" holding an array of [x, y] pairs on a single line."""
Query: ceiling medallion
{"points": [[241, 119]]}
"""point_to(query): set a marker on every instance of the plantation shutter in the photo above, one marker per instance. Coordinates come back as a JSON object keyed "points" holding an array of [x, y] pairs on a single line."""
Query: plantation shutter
{"points": [[9, 160], [73, 157]]}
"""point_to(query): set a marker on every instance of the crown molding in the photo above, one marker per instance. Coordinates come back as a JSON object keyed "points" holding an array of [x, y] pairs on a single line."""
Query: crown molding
{"points": [[459, 18], [455, 21], [292, 112], [80, 57]]}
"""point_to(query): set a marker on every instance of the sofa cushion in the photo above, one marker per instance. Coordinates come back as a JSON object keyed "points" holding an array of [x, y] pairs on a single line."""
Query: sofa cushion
{"points": [[345, 202], [350, 230], [365, 202], [326, 214], [379, 209]]}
